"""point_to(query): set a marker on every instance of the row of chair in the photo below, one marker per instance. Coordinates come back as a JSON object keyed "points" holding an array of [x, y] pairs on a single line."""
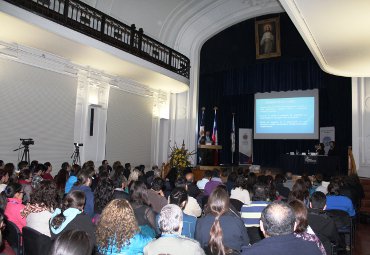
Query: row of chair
{"points": [[29, 242]]}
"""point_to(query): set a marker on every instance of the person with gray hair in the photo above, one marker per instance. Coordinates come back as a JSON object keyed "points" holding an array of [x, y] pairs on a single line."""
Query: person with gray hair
{"points": [[278, 224], [171, 241]]}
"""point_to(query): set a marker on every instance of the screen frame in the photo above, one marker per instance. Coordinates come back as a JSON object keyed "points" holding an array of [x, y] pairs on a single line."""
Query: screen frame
{"points": [[289, 94]]}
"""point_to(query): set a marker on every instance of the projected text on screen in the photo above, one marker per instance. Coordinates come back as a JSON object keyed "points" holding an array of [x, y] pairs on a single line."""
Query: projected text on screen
{"points": [[285, 115]]}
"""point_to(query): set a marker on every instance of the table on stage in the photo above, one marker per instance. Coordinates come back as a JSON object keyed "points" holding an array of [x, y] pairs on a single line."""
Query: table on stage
{"points": [[299, 164]]}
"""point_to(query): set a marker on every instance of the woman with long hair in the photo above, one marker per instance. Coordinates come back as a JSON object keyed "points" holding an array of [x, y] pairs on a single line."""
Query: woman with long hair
{"points": [[44, 201], [220, 231], [303, 230], [14, 194], [143, 212], [71, 217], [299, 192], [84, 181], [103, 194], [118, 232]]}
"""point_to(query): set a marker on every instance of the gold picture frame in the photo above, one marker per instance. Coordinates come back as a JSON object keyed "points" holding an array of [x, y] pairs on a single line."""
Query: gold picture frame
{"points": [[267, 33]]}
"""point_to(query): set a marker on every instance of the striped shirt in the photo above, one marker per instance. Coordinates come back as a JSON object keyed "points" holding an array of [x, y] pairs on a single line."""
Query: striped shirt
{"points": [[251, 213]]}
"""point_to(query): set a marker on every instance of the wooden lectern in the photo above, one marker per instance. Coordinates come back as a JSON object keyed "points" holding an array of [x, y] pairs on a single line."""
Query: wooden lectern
{"points": [[214, 149]]}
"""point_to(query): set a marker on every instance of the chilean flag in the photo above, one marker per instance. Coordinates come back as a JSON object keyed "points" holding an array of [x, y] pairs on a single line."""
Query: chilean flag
{"points": [[214, 132]]}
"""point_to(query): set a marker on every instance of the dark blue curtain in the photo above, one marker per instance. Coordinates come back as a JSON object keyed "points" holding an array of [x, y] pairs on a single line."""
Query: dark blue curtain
{"points": [[230, 75]]}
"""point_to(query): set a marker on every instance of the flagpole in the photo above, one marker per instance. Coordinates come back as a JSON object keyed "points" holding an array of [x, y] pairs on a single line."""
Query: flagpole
{"points": [[232, 139]]}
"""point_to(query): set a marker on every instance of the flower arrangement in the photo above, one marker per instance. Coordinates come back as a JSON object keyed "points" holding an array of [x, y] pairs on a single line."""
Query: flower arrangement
{"points": [[180, 157]]}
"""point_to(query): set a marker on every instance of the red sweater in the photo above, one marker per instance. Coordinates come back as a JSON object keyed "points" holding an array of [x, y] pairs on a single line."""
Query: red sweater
{"points": [[13, 212]]}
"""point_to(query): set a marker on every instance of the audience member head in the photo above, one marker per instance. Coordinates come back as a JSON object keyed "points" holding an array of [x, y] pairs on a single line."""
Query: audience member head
{"points": [[4, 176], [307, 182], [117, 225], [299, 191], [277, 219], [25, 175], [319, 178], [207, 174], [217, 205], [103, 194], [139, 193], [334, 188], [233, 177], [115, 164], [118, 174], [279, 179], [61, 179], [240, 182], [170, 219], [75, 170], [72, 242], [134, 175], [260, 192], [128, 166], [49, 167], [39, 169], [88, 164], [189, 177], [251, 181], [46, 195], [157, 184], [179, 197], [21, 165], [318, 200], [84, 178], [289, 175], [9, 167], [66, 166], [300, 211], [14, 190], [181, 183], [216, 173], [74, 199]]}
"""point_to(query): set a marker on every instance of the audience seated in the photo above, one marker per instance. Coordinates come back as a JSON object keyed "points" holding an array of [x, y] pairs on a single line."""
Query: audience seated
{"points": [[37, 172], [24, 178], [72, 217], [122, 191], [191, 187], [289, 182], [220, 229], [240, 191], [72, 177], [213, 183], [62, 177], [302, 229], [156, 196], [14, 194], [4, 178], [72, 242], [251, 213], [44, 201], [192, 207], [280, 188], [144, 214], [277, 225], [202, 183], [118, 232], [84, 181], [171, 241], [299, 192], [323, 226], [334, 200], [46, 175], [179, 197], [103, 194]]}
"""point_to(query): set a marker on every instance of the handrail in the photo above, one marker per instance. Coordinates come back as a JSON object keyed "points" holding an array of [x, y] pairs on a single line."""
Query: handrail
{"points": [[85, 19]]}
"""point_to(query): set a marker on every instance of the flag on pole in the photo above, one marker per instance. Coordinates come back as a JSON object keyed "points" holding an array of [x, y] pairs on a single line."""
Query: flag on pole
{"points": [[233, 135], [214, 131], [202, 126]]}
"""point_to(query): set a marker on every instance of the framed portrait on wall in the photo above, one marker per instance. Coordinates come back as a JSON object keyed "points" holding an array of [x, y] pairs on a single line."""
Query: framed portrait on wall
{"points": [[267, 33]]}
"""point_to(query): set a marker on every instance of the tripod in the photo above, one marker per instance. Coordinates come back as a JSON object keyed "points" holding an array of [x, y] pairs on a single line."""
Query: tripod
{"points": [[76, 156], [25, 154]]}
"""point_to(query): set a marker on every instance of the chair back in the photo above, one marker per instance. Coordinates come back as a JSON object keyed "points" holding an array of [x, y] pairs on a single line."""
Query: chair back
{"points": [[14, 237], [35, 243]]}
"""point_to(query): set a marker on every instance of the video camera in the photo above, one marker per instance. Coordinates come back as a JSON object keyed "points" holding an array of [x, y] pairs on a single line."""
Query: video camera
{"points": [[27, 141], [78, 144]]}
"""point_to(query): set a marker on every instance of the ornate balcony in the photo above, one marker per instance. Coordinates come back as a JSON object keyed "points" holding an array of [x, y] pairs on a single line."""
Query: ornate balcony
{"points": [[91, 22]]}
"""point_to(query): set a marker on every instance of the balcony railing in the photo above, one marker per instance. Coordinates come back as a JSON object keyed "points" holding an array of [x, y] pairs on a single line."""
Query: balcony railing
{"points": [[89, 21]]}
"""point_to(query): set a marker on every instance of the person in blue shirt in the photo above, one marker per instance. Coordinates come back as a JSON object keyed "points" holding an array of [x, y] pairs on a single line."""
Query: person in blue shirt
{"points": [[118, 232], [84, 181], [179, 197], [335, 200]]}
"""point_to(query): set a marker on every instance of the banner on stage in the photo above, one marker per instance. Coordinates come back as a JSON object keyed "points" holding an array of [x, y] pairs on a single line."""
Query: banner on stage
{"points": [[327, 134], [245, 146]]}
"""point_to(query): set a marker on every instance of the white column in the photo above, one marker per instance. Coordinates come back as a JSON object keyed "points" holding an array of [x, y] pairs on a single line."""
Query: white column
{"points": [[361, 125]]}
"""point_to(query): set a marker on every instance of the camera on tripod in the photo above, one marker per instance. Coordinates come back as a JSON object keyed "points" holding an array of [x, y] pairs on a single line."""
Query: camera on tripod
{"points": [[27, 141], [78, 144]]}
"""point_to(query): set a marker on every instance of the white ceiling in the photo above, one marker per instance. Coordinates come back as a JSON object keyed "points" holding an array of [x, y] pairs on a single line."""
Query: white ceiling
{"points": [[337, 33]]}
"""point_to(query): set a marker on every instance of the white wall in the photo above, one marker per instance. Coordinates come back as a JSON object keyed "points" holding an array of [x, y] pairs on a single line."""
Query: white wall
{"points": [[361, 125], [39, 104]]}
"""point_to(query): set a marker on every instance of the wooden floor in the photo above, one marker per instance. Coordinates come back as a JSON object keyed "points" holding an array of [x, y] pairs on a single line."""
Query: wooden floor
{"points": [[362, 244]]}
